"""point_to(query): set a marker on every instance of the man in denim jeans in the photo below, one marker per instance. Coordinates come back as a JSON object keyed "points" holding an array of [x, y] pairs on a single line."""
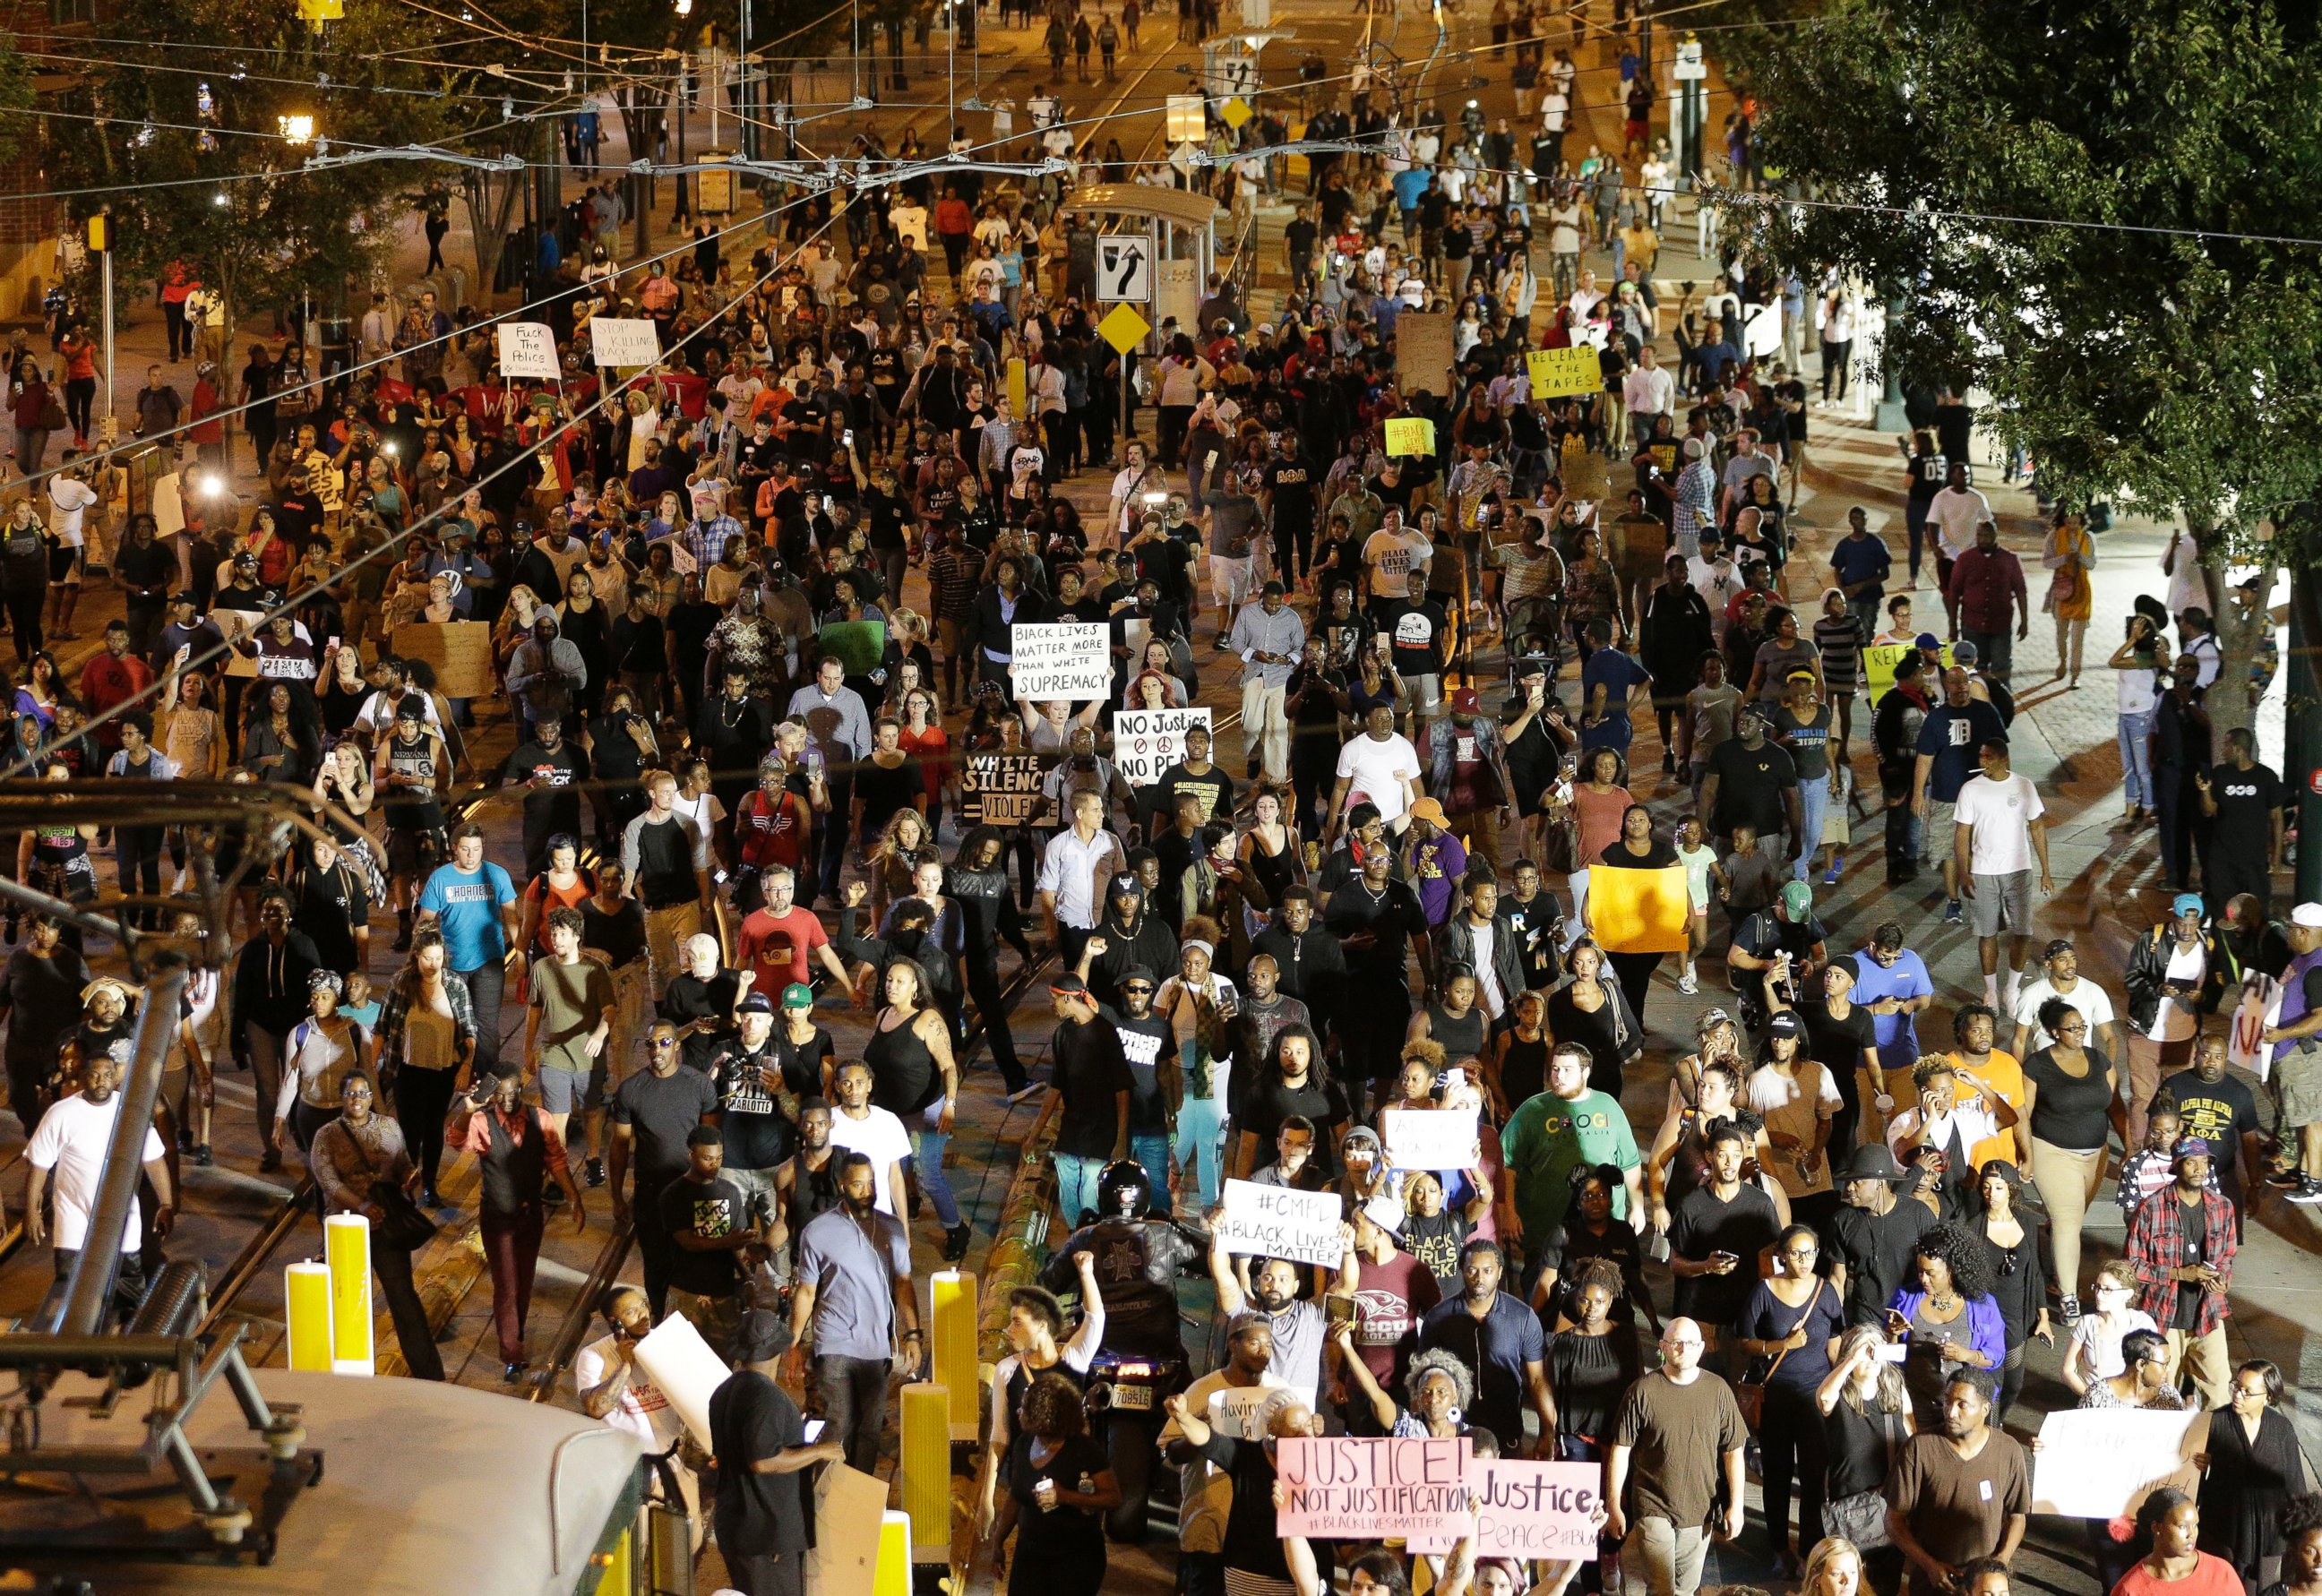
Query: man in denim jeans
{"points": [[853, 1287], [1092, 1078], [1145, 1041]]}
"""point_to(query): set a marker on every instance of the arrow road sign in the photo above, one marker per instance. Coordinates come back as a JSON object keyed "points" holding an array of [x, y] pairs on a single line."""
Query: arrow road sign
{"points": [[1124, 268]]}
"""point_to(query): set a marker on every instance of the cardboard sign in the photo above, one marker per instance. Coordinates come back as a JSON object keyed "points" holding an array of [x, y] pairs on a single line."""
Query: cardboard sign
{"points": [[1559, 373], [1430, 1138], [1638, 911], [858, 645], [618, 341], [676, 1358], [2102, 1463], [1147, 741], [848, 1507], [461, 652], [1528, 1511], [1879, 662], [1423, 343], [1275, 1222], [1070, 660], [528, 349], [1411, 434], [1000, 789], [1358, 1488], [1243, 1411]]}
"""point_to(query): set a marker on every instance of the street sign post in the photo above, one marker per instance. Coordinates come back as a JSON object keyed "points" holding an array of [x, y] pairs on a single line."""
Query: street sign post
{"points": [[1124, 270]]}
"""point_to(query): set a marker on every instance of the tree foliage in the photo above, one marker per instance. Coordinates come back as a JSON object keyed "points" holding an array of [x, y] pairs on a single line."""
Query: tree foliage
{"points": [[2167, 344], [16, 95], [274, 237]]}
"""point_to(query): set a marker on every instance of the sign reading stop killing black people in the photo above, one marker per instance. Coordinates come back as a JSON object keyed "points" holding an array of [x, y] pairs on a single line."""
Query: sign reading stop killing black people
{"points": [[1275, 1222], [1362, 1488], [1000, 789]]}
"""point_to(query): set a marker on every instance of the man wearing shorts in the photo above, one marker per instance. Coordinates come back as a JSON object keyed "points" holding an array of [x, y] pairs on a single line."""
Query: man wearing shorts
{"points": [[1230, 519], [1998, 825], [567, 1026], [1946, 757]]}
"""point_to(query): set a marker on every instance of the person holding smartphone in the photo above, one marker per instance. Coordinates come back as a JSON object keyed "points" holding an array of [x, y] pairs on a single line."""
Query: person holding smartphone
{"points": [[1720, 1237]]}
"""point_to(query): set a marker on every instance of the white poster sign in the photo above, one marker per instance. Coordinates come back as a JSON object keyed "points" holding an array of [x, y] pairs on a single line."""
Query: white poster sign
{"points": [[2102, 1463], [676, 1358], [1429, 1138], [620, 341], [1062, 660], [528, 349], [1147, 741], [847, 1509], [1275, 1222]]}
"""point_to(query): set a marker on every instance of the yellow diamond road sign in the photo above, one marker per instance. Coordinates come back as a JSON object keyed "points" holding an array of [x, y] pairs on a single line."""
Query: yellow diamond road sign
{"points": [[1124, 329], [1236, 111]]}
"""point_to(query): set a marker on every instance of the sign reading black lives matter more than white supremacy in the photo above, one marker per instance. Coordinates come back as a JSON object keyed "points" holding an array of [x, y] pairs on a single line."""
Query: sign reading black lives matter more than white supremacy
{"points": [[1062, 660], [1147, 741], [999, 790], [1275, 1222]]}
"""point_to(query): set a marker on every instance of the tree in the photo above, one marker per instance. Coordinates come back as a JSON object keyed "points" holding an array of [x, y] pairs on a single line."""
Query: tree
{"points": [[203, 170], [15, 94], [2075, 207]]}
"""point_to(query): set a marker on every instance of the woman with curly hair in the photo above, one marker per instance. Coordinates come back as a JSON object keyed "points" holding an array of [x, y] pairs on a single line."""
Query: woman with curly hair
{"points": [[1060, 1486], [2299, 1521], [903, 842], [1950, 1317], [1437, 1385], [1593, 1358]]}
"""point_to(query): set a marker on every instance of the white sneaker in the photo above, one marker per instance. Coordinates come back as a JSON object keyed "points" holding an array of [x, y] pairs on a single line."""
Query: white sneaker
{"points": [[1687, 984]]}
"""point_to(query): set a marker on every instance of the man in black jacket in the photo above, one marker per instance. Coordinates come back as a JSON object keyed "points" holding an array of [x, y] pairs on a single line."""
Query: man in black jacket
{"points": [[1129, 938], [2177, 972], [1310, 962], [268, 999]]}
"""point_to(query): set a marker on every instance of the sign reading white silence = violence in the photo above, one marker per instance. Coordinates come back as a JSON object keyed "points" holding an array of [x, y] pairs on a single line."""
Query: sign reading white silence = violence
{"points": [[1147, 741], [1275, 1222], [1062, 660], [999, 790]]}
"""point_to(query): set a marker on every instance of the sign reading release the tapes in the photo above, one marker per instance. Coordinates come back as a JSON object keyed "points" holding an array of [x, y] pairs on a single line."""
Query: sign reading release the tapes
{"points": [[1275, 1222], [527, 349], [1362, 1488], [624, 341], [1062, 660], [1147, 741]]}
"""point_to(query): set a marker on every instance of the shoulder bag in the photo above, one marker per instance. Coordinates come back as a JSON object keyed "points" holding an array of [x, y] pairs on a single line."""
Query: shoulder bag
{"points": [[1748, 1392], [404, 1225], [1861, 1517]]}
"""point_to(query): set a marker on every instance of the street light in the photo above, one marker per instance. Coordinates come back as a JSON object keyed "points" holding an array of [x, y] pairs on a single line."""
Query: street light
{"points": [[297, 128]]}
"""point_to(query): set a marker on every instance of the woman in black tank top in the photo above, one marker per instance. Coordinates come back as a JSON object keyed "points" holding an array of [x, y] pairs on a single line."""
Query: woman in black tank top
{"points": [[1270, 849], [1453, 1019], [914, 1077]]}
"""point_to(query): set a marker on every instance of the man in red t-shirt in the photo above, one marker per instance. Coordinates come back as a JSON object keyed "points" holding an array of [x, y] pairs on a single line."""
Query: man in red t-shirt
{"points": [[779, 940], [111, 679], [772, 825]]}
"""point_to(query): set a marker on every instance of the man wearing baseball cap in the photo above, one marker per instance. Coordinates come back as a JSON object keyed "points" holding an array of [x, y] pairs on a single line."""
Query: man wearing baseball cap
{"points": [[1435, 860], [1780, 949], [1751, 780], [2177, 972], [1093, 1084], [2182, 1244]]}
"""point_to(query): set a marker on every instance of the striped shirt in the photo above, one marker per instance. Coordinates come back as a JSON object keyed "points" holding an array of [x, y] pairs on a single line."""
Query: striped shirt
{"points": [[1840, 639]]}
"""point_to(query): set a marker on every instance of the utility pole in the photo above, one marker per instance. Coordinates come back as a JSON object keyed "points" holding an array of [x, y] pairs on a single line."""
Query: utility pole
{"points": [[100, 243]]}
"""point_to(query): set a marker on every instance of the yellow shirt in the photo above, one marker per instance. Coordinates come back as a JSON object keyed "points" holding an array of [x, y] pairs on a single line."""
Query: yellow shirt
{"points": [[1999, 1076]]}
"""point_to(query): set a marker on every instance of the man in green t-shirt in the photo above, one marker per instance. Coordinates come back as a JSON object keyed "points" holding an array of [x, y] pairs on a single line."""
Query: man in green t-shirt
{"points": [[566, 1027], [1564, 1129]]}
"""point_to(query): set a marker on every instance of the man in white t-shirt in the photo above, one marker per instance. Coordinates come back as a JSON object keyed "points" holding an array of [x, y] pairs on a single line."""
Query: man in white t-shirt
{"points": [[1383, 766], [1953, 516], [1997, 825], [69, 1146], [2062, 981], [859, 1127]]}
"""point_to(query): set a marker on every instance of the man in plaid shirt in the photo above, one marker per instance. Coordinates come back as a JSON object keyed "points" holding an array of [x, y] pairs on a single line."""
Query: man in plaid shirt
{"points": [[1693, 504], [705, 539], [2181, 1243]]}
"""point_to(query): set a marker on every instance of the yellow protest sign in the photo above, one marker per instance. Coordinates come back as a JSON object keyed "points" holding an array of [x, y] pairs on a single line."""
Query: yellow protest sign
{"points": [[1638, 911], [1411, 434], [1879, 665], [1296, 166], [1558, 373], [1016, 384], [1123, 329]]}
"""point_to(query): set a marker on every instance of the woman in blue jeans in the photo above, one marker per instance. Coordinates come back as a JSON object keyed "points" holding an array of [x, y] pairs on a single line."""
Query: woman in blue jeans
{"points": [[2137, 665], [916, 1078]]}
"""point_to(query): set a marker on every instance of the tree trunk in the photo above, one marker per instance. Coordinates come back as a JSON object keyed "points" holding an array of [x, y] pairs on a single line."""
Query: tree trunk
{"points": [[2238, 638], [487, 222]]}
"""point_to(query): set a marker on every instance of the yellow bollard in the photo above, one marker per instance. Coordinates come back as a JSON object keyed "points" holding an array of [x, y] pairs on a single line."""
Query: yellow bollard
{"points": [[951, 1343], [893, 1577], [306, 1293], [346, 1246], [925, 1465]]}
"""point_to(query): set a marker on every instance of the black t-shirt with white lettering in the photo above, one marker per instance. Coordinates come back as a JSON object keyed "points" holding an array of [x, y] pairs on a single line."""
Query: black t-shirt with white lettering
{"points": [[1415, 636], [712, 1210], [1146, 1043], [2246, 801]]}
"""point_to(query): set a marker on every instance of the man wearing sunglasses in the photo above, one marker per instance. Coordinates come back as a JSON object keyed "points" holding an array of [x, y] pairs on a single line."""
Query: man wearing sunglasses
{"points": [[653, 1112]]}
